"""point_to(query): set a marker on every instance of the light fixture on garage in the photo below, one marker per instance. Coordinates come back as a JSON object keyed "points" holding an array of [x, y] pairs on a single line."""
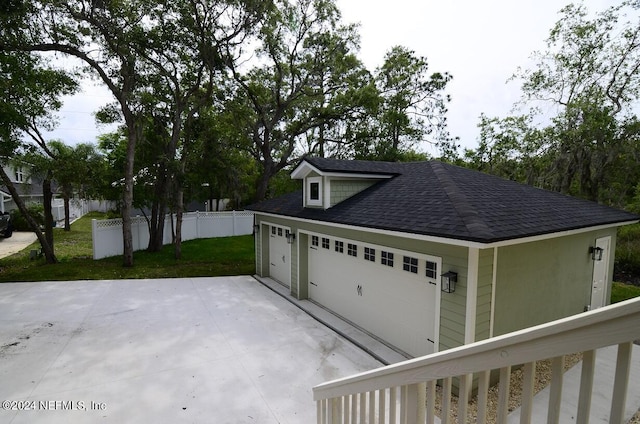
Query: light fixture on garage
{"points": [[256, 228], [449, 280], [290, 237], [596, 253]]}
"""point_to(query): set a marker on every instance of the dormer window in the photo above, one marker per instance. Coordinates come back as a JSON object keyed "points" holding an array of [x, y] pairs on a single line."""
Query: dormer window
{"points": [[314, 191]]}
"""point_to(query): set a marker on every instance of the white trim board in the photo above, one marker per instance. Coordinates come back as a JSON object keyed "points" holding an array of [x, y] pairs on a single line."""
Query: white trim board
{"points": [[449, 241]]}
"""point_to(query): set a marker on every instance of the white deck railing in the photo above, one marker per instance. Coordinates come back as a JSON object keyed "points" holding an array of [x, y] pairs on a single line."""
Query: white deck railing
{"points": [[406, 392]]}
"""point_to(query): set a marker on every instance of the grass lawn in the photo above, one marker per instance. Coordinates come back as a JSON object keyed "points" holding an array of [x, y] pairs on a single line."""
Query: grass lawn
{"points": [[200, 258]]}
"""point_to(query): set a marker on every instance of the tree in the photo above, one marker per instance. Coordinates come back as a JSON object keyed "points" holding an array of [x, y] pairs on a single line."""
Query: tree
{"points": [[590, 76], [31, 91], [74, 168], [300, 85], [130, 48], [412, 106]]}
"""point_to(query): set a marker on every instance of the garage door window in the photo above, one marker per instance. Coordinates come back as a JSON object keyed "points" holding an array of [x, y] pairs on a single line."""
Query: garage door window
{"points": [[273, 230], [370, 254], [386, 258], [339, 246], [325, 243], [410, 264], [352, 250], [314, 240], [432, 269]]}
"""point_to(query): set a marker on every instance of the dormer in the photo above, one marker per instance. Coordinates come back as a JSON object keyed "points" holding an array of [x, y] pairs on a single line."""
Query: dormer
{"points": [[324, 187]]}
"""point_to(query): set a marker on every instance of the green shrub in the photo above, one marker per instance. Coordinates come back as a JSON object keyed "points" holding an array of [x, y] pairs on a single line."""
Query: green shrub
{"points": [[36, 210]]}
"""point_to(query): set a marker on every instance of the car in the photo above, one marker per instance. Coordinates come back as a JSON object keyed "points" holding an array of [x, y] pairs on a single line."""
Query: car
{"points": [[6, 226]]}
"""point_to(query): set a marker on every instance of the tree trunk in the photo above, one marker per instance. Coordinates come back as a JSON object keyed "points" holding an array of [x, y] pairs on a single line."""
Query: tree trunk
{"points": [[48, 216], [67, 221], [127, 199], [49, 255], [179, 213]]}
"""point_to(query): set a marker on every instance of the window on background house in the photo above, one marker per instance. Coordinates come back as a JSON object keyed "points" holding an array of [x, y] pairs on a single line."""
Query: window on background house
{"points": [[386, 258], [19, 175], [410, 264]]}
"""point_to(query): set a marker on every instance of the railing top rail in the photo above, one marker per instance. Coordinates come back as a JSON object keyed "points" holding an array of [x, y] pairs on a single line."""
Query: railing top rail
{"points": [[602, 327]]}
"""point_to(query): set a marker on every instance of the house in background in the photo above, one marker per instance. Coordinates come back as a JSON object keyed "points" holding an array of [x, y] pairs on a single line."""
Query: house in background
{"points": [[428, 256], [29, 192]]}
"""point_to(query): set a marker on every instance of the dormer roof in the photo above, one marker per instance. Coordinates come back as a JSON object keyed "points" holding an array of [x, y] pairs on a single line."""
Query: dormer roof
{"points": [[348, 168]]}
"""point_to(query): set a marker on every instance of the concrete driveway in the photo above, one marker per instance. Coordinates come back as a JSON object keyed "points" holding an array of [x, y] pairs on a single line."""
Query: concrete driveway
{"points": [[209, 350], [18, 241]]}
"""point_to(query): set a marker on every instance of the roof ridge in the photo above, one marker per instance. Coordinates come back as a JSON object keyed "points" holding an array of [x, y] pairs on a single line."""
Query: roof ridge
{"points": [[472, 220]]}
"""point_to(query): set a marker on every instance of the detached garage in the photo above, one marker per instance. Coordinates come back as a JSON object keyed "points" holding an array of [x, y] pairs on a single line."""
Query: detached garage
{"points": [[428, 256]]}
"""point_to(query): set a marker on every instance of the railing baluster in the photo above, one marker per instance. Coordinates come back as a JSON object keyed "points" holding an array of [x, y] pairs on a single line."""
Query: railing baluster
{"points": [[354, 408], [362, 408], [446, 401], [413, 404], [382, 406], [555, 392], [503, 395], [372, 407], [621, 383], [483, 395], [527, 392], [346, 408], [463, 397], [336, 406], [586, 386], [403, 404], [393, 400], [431, 402]]}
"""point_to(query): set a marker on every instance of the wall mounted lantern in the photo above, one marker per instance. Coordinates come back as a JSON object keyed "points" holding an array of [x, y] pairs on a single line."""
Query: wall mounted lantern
{"points": [[290, 237], [449, 280], [596, 253], [256, 228]]}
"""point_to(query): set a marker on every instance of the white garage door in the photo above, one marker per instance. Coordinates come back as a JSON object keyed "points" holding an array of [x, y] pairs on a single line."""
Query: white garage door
{"points": [[279, 255], [390, 293]]}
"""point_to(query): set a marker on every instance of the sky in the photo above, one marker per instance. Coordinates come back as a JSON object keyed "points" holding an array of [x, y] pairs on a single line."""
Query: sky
{"points": [[481, 43]]}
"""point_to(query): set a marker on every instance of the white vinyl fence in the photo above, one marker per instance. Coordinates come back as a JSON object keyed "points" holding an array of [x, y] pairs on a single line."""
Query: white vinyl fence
{"points": [[107, 233], [79, 208]]}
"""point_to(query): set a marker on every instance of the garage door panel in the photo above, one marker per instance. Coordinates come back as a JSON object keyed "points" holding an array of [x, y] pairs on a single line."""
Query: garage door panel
{"points": [[393, 304], [279, 255]]}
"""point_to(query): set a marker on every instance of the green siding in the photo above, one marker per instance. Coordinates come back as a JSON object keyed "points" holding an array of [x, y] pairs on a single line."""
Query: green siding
{"points": [[343, 189], [546, 280]]}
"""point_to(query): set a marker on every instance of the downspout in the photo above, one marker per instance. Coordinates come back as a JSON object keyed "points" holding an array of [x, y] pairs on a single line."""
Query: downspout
{"points": [[493, 291]]}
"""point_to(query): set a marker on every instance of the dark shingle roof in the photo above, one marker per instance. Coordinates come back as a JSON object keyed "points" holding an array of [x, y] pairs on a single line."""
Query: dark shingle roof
{"points": [[437, 199]]}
